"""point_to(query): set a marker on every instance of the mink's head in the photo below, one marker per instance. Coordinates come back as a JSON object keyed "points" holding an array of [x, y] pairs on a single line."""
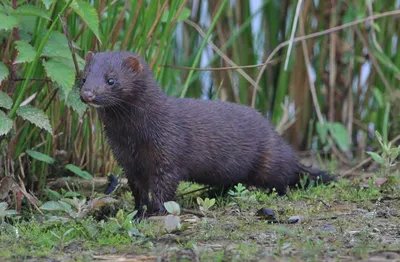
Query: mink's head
{"points": [[113, 78]]}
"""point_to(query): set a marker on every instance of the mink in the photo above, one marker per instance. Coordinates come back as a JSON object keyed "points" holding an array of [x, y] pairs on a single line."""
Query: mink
{"points": [[160, 140]]}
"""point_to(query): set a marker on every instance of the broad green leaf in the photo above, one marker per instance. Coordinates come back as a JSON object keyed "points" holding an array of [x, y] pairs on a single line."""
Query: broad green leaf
{"points": [[47, 3], [57, 46], [5, 123], [35, 116], [322, 131], [8, 22], [5, 100], [210, 202], [3, 71], [184, 14], [53, 195], [172, 208], [26, 52], [30, 10], [60, 73], [53, 206], [79, 172], [41, 157], [339, 135], [75, 102], [88, 14], [377, 158]]}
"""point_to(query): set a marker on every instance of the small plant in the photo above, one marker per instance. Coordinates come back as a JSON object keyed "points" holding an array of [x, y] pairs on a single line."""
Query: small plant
{"points": [[205, 204], [388, 157], [72, 207], [240, 191], [172, 221], [62, 239], [4, 212], [124, 222]]}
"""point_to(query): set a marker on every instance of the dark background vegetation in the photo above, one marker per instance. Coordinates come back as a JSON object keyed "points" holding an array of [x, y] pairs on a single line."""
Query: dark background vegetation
{"points": [[338, 88]]}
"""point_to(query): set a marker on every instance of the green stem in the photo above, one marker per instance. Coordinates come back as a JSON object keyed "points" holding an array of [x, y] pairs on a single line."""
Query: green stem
{"points": [[203, 44], [32, 67]]}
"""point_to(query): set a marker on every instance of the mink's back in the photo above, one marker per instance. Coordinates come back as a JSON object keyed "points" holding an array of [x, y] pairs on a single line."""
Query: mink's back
{"points": [[222, 143]]}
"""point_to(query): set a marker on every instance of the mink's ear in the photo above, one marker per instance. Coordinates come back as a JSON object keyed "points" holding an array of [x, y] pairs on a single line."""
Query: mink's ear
{"points": [[88, 57], [133, 63]]}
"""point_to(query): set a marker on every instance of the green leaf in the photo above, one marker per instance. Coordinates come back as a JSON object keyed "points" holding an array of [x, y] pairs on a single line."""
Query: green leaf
{"points": [[184, 14], [200, 201], [88, 14], [5, 123], [30, 10], [5, 100], [210, 202], [322, 131], [79, 172], [394, 153], [3, 70], [385, 60], [48, 3], [172, 207], [36, 117], [53, 206], [57, 46], [377, 158], [71, 194], [379, 137], [26, 52], [60, 73], [74, 101], [378, 96], [8, 22], [54, 195], [339, 135], [41, 157]]}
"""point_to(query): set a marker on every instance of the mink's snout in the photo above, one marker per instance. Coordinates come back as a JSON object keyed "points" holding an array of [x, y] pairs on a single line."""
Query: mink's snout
{"points": [[87, 96]]}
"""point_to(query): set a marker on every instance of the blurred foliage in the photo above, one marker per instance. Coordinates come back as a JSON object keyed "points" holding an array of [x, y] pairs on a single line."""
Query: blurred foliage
{"points": [[46, 132]]}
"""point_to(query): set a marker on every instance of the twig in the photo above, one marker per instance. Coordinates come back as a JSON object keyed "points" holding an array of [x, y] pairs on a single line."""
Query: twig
{"points": [[296, 18], [71, 47], [225, 68], [225, 57]]}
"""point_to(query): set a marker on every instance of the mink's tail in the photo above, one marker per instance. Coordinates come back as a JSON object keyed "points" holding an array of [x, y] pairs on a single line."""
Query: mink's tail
{"points": [[316, 175]]}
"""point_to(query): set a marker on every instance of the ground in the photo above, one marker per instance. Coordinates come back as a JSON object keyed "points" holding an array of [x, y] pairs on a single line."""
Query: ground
{"points": [[346, 221]]}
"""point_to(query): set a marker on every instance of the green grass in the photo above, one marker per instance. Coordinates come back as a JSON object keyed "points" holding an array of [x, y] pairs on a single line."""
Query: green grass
{"points": [[343, 219]]}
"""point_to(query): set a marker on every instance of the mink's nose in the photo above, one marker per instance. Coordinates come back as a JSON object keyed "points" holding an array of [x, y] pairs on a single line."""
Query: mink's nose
{"points": [[87, 96]]}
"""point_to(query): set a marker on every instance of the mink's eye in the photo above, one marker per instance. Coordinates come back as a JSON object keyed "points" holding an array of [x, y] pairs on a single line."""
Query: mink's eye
{"points": [[110, 81]]}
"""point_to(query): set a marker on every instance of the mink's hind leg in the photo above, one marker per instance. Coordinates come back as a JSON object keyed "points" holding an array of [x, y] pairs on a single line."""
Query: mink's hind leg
{"points": [[270, 173]]}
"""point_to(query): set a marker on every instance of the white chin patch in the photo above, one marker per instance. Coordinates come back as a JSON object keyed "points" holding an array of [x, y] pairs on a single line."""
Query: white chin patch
{"points": [[94, 105]]}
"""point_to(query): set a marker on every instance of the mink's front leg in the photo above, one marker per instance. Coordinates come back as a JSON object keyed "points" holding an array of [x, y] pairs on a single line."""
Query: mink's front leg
{"points": [[163, 187], [140, 190]]}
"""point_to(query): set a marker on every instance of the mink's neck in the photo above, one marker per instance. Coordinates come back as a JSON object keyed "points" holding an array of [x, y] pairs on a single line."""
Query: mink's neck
{"points": [[142, 113]]}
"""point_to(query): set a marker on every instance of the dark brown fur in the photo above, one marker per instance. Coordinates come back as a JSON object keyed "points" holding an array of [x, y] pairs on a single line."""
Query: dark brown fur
{"points": [[160, 141]]}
